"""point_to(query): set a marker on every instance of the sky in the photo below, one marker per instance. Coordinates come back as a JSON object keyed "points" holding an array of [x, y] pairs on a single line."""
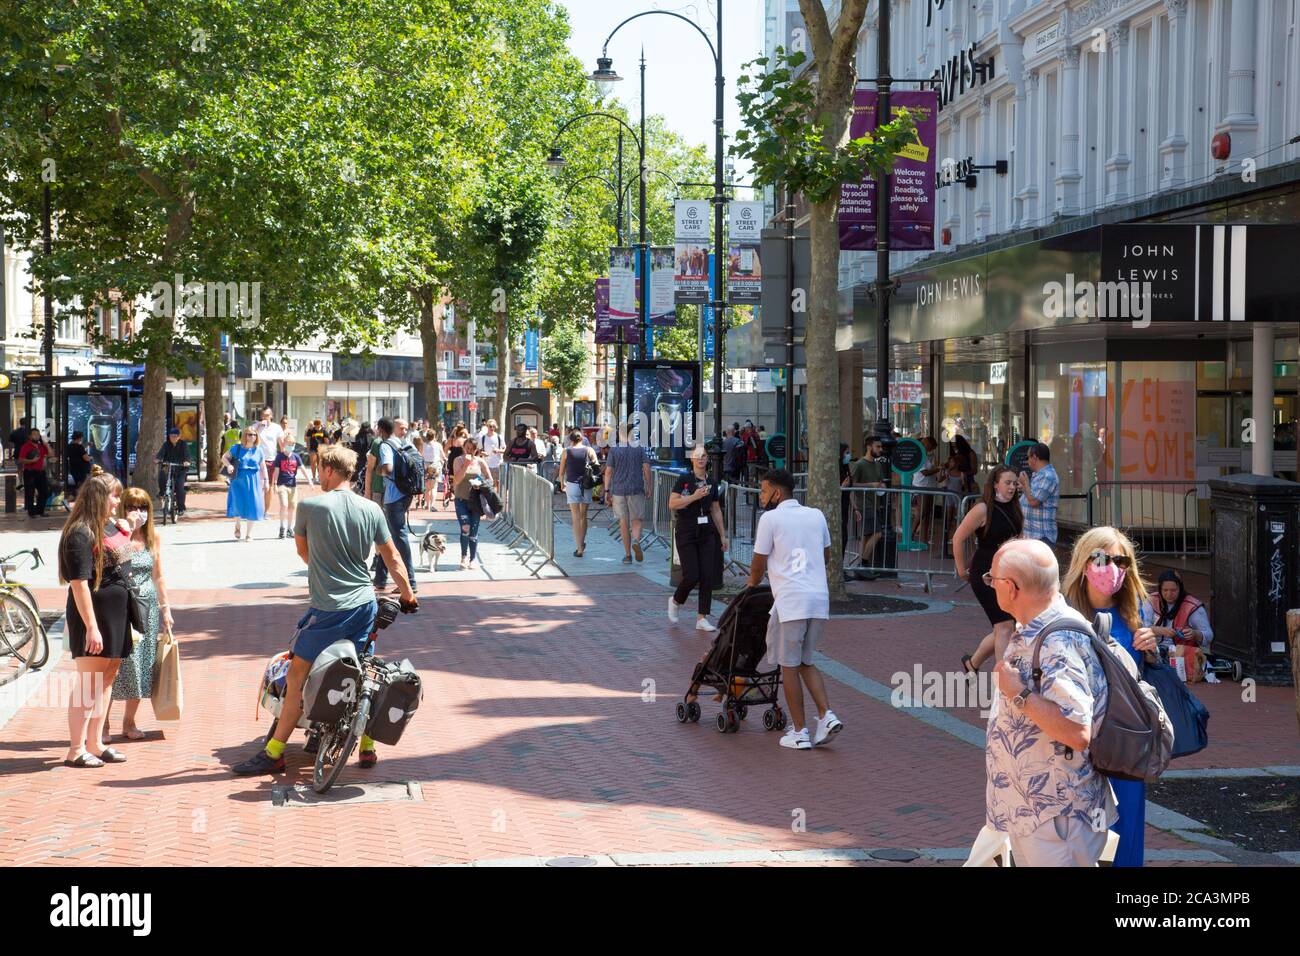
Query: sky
{"points": [[679, 68]]}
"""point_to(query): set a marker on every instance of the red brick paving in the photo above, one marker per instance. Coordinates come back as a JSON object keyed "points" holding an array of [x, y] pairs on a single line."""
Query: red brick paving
{"points": [[533, 740]]}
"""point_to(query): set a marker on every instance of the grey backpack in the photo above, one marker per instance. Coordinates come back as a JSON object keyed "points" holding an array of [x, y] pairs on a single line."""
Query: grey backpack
{"points": [[1135, 740]]}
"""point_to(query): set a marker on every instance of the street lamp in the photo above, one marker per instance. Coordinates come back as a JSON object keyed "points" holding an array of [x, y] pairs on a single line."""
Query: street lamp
{"points": [[605, 76], [555, 163]]}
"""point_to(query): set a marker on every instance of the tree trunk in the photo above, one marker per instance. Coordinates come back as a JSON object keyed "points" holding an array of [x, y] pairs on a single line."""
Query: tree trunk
{"points": [[503, 375], [153, 418], [213, 381], [428, 298], [1293, 637], [823, 400]]}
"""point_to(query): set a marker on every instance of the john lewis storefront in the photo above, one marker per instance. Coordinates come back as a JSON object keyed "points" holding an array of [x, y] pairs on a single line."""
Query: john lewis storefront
{"points": [[979, 350]]}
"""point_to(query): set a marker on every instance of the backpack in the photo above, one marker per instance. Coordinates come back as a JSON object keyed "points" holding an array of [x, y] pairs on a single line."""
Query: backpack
{"points": [[1135, 740], [408, 469]]}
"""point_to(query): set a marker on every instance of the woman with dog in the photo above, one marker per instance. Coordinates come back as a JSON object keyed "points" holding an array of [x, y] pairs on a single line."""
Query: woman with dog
{"points": [[134, 680], [91, 556], [468, 466], [244, 498]]}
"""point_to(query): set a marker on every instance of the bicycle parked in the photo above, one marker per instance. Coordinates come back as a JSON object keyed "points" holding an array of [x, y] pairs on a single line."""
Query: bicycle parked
{"points": [[24, 644], [348, 695]]}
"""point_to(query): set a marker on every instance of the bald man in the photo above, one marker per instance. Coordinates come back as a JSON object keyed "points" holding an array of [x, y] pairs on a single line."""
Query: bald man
{"points": [[1043, 790]]}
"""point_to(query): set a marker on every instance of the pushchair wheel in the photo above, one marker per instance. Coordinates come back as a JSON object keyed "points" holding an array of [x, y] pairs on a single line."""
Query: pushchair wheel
{"points": [[1237, 671], [769, 719], [742, 711], [778, 718], [693, 711], [683, 713], [722, 723]]}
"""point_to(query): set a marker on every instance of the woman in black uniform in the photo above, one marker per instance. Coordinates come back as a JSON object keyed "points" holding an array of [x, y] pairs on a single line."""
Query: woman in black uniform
{"points": [[91, 551], [993, 521], [700, 537]]}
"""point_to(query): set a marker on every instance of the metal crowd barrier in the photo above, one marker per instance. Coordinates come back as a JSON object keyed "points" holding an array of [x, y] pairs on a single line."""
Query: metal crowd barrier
{"points": [[1161, 517], [527, 518]]}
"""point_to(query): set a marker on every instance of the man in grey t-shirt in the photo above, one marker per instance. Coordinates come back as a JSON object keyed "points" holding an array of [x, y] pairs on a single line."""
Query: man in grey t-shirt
{"points": [[334, 532], [627, 477]]}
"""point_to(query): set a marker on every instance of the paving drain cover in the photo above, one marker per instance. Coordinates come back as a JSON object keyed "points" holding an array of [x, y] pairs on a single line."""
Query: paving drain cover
{"points": [[571, 861], [895, 856], [348, 793]]}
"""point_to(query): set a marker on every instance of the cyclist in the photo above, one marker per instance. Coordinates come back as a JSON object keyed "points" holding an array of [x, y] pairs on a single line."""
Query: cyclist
{"points": [[334, 533], [175, 452]]}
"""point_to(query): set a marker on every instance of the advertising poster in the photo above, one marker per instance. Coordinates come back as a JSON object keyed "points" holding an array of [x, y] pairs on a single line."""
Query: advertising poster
{"points": [[622, 285], [99, 416], [911, 201], [530, 350], [692, 251], [663, 305], [663, 400], [606, 332], [744, 272]]}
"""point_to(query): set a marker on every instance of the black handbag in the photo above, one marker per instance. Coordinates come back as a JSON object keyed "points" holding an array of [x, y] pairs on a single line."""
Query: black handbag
{"points": [[1184, 709], [136, 606]]}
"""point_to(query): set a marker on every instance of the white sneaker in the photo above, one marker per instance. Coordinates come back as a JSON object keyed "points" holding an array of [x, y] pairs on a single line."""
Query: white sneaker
{"points": [[827, 727], [796, 739], [703, 625], [673, 608]]}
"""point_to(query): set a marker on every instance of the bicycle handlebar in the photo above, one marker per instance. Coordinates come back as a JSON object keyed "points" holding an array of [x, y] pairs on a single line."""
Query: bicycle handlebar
{"points": [[34, 552]]}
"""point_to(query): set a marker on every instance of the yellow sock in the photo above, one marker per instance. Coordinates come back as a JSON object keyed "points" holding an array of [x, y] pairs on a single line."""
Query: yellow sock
{"points": [[367, 743], [274, 748]]}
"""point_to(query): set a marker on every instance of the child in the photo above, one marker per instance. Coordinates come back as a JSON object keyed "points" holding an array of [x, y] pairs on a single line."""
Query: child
{"points": [[284, 477]]}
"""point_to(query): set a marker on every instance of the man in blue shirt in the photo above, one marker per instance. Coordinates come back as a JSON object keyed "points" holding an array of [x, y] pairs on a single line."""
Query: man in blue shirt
{"points": [[392, 435], [1041, 495]]}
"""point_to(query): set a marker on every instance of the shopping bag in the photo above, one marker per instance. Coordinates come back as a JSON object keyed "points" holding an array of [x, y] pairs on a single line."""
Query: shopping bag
{"points": [[1188, 715], [168, 697], [991, 848]]}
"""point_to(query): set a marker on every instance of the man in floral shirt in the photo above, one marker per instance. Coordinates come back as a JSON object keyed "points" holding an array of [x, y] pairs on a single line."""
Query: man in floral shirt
{"points": [[1043, 790]]}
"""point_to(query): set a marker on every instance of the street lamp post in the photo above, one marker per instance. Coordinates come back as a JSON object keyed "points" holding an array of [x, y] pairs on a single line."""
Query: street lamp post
{"points": [[556, 163], [604, 75]]}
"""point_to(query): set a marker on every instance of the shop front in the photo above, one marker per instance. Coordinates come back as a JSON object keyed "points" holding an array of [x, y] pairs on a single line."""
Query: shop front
{"points": [[979, 350]]}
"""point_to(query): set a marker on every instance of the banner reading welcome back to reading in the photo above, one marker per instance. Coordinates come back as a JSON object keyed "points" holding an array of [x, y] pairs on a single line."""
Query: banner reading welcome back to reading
{"points": [[911, 199]]}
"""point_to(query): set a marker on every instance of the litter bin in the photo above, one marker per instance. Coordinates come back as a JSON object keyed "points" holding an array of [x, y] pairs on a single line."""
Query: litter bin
{"points": [[1254, 566], [11, 494]]}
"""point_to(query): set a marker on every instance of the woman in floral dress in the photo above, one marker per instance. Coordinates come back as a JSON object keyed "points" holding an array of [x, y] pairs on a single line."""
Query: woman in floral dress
{"points": [[135, 677]]}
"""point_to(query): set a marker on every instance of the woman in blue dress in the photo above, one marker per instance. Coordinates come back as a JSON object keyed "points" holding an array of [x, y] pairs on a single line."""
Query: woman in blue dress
{"points": [[244, 500], [1104, 578]]}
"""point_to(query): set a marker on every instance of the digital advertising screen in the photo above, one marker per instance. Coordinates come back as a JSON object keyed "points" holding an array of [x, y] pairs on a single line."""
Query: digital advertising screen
{"points": [[664, 402]]}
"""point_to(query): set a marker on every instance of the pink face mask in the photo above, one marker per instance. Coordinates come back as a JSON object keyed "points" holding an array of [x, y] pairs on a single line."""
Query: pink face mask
{"points": [[1107, 579]]}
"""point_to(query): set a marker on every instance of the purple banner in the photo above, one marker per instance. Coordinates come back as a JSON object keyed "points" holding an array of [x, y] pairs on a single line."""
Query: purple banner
{"points": [[911, 201], [605, 330]]}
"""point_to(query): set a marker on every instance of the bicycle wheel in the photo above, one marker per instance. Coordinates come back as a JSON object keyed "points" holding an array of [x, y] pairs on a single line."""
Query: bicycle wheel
{"points": [[337, 746], [38, 658], [22, 641]]}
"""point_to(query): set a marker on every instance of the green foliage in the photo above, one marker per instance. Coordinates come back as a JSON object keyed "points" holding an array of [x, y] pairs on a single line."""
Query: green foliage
{"points": [[565, 358], [790, 139]]}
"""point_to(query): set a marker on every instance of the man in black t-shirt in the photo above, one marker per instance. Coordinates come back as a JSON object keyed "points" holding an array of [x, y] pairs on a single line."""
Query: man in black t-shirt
{"points": [[174, 452], [78, 464]]}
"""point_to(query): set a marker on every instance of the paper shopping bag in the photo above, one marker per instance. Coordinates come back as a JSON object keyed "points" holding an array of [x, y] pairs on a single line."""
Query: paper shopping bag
{"points": [[168, 697]]}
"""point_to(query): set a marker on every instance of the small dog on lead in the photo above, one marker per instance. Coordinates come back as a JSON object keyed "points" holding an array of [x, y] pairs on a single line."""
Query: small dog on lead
{"points": [[432, 547]]}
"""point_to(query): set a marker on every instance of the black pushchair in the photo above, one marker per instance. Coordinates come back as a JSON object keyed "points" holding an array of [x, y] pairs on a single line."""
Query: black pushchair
{"points": [[732, 666]]}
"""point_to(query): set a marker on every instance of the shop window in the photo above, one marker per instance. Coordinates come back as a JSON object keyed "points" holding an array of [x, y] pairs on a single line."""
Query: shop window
{"points": [[1074, 413], [983, 402]]}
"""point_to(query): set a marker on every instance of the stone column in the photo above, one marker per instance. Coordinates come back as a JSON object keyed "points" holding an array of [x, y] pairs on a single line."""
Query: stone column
{"points": [[1020, 160], [1033, 160], [982, 151], [1241, 122], [1068, 175], [1118, 162], [1173, 148]]}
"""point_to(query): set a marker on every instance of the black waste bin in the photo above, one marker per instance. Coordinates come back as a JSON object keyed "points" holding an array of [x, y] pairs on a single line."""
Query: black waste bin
{"points": [[1254, 565]]}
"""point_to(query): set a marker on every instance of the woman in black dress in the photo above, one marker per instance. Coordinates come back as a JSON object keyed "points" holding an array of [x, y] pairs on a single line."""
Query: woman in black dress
{"points": [[993, 521], [699, 536], [93, 556]]}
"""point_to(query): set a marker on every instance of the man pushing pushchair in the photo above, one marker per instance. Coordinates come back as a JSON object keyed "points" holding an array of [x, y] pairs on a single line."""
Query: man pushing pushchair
{"points": [[792, 547]]}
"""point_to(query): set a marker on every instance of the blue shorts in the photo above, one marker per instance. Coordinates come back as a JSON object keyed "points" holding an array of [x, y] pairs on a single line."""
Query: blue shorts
{"points": [[319, 629]]}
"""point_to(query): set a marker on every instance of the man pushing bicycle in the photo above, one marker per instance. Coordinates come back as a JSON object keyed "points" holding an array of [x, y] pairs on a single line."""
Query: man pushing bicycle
{"points": [[334, 533]]}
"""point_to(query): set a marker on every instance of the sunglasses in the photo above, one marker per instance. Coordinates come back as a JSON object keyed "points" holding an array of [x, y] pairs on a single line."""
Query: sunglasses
{"points": [[1101, 559]]}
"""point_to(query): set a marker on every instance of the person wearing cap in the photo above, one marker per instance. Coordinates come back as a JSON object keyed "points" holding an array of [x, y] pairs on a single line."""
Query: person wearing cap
{"points": [[174, 452]]}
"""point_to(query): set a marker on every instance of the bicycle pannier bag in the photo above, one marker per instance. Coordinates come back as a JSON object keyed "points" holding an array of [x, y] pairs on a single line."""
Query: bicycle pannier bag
{"points": [[1135, 739], [395, 704], [333, 683]]}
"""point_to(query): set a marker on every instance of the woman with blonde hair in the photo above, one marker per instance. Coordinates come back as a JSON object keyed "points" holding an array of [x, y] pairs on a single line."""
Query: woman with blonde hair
{"points": [[1104, 579], [91, 551], [244, 497], [135, 677]]}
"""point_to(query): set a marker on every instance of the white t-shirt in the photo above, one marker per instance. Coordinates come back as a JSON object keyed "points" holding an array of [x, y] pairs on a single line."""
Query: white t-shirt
{"points": [[492, 446], [268, 439], [926, 481], [794, 538], [433, 455]]}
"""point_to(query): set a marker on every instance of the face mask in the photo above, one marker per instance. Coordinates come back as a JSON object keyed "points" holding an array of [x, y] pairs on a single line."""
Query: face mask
{"points": [[1005, 499], [846, 458], [771, 503], [1107, 579]]}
